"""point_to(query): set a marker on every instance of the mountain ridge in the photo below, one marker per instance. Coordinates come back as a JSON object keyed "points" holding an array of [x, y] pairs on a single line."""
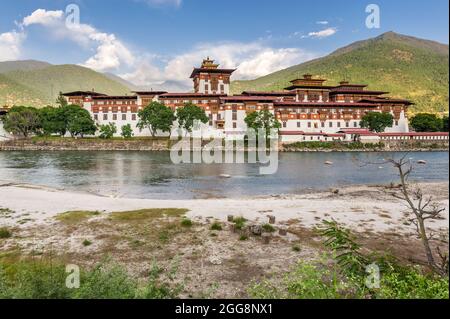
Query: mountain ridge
{"points": [[407, 67], [39, 86]]}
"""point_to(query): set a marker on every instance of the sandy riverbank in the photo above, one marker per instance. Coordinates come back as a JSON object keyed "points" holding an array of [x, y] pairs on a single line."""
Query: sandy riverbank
{"points": [[211, 263], [359, 207]]}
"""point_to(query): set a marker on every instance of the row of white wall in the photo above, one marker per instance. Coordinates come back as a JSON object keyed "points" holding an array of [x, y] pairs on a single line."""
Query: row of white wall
{"points": [[237, 124]]}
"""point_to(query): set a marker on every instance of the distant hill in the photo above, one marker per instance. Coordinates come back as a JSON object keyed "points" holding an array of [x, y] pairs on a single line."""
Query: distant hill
{"points": [[122, 81], [405, 66], [26, 65], [40, 86], [13, 93]]}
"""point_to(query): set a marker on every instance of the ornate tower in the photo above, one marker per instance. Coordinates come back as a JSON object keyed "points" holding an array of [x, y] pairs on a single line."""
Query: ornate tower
{"points": [[209, 79]]}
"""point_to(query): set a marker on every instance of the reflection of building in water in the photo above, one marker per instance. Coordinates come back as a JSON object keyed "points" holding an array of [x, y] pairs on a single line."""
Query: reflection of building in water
{"points": [[308, 110]]}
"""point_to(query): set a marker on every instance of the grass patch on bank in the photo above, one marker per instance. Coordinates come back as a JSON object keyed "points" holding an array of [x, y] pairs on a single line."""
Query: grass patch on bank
{"points": [[75, 217], [268, 228], [5, 233], [239, 222], [147, 214]]}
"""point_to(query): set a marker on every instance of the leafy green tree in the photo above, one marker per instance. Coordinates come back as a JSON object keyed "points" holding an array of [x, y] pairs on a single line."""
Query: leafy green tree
{"points": [[22, 120], [156, 117], [107, 131], [377, 122], [53, 121], [61, 100], [189, 114], [127, 131], [79, 121], [426, 122], [262, 120], [445, 124]]}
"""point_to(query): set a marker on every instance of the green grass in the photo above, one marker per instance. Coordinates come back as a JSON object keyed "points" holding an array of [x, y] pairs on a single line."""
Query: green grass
{"points": [[239, 222], [296, 248], [147, 214], [406, 67], [87, 243], [186, 222], [216, 226], [243, 238], [5, 233], [268, 228], [75, 217], [43, 279]]}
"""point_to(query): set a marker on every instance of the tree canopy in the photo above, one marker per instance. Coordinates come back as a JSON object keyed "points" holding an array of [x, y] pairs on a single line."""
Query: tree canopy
{"points": [[377, 122], [53, 120], [22, 120], [426, 122], [79, 121], [156, 117], [189, 114], [262, 120]]}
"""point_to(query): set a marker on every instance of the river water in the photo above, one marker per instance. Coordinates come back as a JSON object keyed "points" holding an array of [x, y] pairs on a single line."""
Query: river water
{"points": [[153, 175]]}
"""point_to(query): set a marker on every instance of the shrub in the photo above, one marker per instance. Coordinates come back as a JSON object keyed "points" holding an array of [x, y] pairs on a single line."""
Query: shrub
{"points": [[127, 131], [345, 275], [216, 226], [46, 280], [243, 238], [5, 232], [268, 228], [87, 243], [239, 222], [186, 222], [107, 131]]}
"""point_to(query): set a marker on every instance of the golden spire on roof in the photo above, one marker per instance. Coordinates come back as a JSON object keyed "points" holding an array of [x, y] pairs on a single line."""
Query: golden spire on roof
{"points": [[209, 64]]}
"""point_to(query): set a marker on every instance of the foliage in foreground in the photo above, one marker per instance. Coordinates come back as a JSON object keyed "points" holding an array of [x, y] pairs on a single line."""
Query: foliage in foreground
{"points": [[344, 276], [44, 280]]}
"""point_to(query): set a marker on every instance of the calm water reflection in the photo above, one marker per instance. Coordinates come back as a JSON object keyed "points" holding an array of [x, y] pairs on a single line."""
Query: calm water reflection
{"points": [[152, 175]]}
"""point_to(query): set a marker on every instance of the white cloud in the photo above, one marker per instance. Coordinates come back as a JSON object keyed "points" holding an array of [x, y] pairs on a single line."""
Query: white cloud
{"points": [[251, 60], [43, 17], [324, 22], [10, 45], [110, 54], [322, 34]]}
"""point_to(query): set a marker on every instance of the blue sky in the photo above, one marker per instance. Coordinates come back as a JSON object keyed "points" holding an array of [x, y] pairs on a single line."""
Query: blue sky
{"points": [[153, 41]]}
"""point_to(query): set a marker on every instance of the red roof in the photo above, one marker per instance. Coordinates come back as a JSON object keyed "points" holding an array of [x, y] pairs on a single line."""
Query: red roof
{"points": [[249, 98], [120, 97], [200, 95], [149, 92], [358, 131], [311, 133], [206, 70], [269, 93], [416, 134], [323, 104], [343, 91], [83, 93], [385, 100]]}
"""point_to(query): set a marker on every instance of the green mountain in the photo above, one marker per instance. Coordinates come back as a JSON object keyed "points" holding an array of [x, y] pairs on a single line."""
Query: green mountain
{"points": [[405, 66], [26, 65], [40, 86]]}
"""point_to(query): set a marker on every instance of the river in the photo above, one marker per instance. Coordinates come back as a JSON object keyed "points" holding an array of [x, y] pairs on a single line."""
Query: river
{"points": [[153, 175]]}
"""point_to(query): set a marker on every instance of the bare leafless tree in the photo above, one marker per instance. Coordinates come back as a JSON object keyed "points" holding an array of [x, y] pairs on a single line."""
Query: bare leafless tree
{"points": [[422, 208]]}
